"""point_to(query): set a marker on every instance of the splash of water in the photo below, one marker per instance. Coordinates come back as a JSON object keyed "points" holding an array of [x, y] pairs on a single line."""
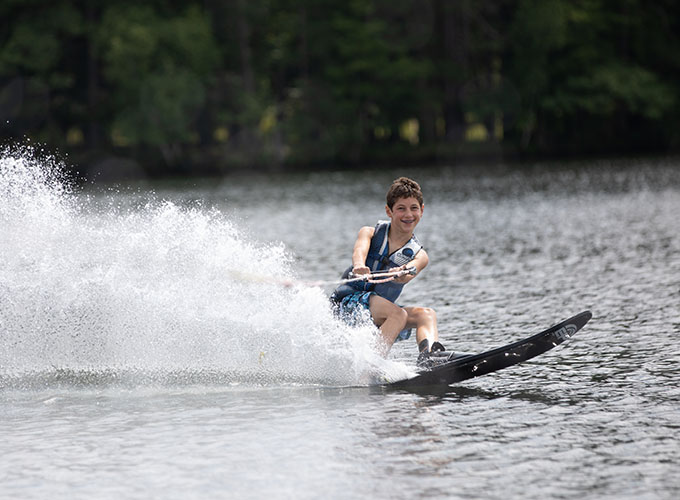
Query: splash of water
{"points": [[94, 293]]}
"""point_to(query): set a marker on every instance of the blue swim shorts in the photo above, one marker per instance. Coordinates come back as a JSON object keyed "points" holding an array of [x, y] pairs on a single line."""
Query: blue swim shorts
{"points": [[351, 307]]}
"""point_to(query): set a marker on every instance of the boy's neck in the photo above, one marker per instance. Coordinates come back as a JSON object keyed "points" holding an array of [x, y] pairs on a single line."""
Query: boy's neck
{"points": [[398, 237]]}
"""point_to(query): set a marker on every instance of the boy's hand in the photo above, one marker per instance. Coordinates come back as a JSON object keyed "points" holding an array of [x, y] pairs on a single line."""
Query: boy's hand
{"points": [[412, 271], [359, 270], [397, 269]]}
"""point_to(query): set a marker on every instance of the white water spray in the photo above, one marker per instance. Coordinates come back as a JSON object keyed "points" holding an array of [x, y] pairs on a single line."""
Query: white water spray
{"points": [[158, 293]]}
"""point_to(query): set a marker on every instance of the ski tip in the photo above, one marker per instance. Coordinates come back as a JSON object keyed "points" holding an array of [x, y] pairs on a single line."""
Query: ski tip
{"points": [[580, 320]]}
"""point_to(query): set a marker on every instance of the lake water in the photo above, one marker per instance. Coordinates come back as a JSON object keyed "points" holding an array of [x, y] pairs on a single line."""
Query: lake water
{"points": [[148, 347]]}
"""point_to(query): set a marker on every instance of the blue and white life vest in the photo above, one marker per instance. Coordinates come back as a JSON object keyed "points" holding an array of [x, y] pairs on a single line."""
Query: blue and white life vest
{"points": [[379, 259]]}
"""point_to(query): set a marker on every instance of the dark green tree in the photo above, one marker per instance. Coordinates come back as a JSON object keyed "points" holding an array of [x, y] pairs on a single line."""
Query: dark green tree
{"points": [[157, 68]]}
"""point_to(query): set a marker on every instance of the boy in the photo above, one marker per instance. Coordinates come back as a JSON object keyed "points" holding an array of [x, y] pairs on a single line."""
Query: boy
{"points": [[391, 245]]}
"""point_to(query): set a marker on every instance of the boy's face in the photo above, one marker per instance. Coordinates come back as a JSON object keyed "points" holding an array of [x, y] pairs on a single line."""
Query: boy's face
{"points": [[405, 214]]}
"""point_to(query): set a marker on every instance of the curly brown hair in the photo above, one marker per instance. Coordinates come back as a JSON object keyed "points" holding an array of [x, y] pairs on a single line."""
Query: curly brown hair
{"points": [[403, 187]]}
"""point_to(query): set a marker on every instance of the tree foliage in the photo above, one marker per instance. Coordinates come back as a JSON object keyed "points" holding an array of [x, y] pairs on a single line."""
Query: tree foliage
{"points": [[217, 84]]}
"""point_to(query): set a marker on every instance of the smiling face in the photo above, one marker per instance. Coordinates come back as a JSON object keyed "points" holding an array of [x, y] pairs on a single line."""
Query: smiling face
{"points": [[405, 214]]}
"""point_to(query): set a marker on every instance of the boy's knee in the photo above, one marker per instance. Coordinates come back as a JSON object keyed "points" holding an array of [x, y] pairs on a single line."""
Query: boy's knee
{"points": [[400, 314], [424, 314]]}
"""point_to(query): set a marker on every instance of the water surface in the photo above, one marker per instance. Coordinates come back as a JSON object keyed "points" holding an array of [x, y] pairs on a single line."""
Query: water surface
{"points": [[148, 348]]}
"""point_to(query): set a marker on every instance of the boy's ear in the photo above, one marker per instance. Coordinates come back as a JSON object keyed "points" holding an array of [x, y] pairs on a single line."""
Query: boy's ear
{"points": [[388, 211]]}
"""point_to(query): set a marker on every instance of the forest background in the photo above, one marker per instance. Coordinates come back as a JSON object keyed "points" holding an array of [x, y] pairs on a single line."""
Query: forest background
{"points": [[173, 88]]}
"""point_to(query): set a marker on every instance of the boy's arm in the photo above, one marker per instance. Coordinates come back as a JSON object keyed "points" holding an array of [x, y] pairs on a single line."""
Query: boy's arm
{"points": [[360, 252], [419, 262]]}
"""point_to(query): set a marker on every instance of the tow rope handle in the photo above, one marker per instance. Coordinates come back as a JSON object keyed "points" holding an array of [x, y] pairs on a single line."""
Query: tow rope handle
{"points": [[381, 276]]}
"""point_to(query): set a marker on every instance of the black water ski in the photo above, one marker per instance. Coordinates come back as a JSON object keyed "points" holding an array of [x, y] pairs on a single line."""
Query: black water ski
{"points": [[474, 365]]}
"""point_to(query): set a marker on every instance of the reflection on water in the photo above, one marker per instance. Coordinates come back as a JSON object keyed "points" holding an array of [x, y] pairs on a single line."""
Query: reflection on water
{"points": [[512, 252]]}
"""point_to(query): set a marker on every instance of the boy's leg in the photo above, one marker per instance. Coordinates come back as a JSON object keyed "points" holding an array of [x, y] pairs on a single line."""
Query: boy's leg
{"points": [[424, 320], [390, 318]]}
